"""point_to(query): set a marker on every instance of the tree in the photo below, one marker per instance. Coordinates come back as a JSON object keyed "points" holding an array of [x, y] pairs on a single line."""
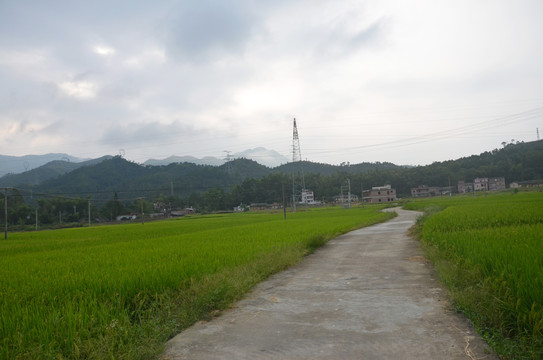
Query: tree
{"points": [[214, 200], [112, 208]]}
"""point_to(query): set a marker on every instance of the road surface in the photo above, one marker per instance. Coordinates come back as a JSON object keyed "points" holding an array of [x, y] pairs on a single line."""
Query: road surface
{"points": [[368, 294]]}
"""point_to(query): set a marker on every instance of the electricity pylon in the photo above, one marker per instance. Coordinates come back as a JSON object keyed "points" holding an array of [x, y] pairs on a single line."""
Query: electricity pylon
{"points": [[298, 181], [228, 162]]}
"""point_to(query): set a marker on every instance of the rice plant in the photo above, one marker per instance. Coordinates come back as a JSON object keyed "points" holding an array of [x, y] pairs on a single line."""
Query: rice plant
{"points": [[122, 291], [489, 251]]}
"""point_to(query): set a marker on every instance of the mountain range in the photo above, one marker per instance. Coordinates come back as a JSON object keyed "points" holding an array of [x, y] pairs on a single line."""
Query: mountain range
{"points": [[63, 163], [20, 164], [49, 170], [100, 178], [263, 156]]}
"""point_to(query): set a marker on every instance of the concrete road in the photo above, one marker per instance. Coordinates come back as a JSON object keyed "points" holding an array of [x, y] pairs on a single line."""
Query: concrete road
{"points": [[369, 294]]}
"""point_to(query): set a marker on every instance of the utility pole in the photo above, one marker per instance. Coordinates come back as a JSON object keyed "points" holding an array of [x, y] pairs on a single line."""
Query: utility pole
{"points": [[89, 215], [142, 213], [284, 202], [349, 181], [537, 130], [362, 194], [6, 213], [36, 219]]}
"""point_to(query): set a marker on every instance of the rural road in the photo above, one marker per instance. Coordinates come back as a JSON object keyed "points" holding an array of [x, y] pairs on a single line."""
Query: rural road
{"points": [[368, 294]]}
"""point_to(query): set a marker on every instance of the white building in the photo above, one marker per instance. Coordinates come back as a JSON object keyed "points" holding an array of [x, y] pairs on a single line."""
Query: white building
{"points": [[308, 198]]}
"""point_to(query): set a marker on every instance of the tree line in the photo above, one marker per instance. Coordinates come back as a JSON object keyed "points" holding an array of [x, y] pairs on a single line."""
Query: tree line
{"points": [[116, 187]]}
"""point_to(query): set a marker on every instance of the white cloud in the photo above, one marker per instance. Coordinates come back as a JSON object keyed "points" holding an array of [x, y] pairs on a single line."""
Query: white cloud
{"points": [[79, 89], [232, 75], [104, 50], [145, 58]]}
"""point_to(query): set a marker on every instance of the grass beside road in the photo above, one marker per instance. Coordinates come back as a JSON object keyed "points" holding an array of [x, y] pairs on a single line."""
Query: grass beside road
{"points": [[121, 291], [489, 251]]}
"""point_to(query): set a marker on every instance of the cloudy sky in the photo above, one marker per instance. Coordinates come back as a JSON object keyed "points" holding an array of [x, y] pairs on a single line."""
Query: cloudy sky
{"points": [[410, 82]]}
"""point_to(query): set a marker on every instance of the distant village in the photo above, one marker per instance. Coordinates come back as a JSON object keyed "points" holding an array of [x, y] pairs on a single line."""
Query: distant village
{"points": [[387, 194], [375, 195], [478, 185]]}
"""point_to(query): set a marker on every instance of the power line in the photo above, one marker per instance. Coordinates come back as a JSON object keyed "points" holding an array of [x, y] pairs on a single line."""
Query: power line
{"points": [[67, 195], [468, 129]]}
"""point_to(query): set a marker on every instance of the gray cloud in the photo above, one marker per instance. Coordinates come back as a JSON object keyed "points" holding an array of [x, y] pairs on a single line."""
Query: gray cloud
{"points": [[96, 76], [340, 42], [371, 34], [202, 29], [148, 133]]}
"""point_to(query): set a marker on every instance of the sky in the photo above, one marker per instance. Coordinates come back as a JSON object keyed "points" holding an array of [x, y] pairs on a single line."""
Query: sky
{"points": [[408, 82]]}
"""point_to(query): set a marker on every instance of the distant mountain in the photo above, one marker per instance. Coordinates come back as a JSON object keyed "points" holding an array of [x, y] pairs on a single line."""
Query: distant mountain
{"points": [[130, 180], [19, 164], [263, 156], [45, 172], [515, 162], [244, 181], [269, 158], [327, 169], [208, 160]]}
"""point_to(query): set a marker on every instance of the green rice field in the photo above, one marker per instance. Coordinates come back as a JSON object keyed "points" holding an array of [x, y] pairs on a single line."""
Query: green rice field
{"points": [[122, 291], [489, 251]]}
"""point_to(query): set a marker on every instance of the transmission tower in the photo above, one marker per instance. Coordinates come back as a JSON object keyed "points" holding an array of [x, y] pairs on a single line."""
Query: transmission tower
{"points": [[228, 162], [298, 181], [346, 194]]}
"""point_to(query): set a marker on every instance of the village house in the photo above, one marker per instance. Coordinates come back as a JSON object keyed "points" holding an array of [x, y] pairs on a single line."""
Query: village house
{"points": [[308, 198], [264, 206], [127, 217], [489, 184], [178, 213], [480, 184], [424, 191], [464, 187], [240, 208], [379, 194], [526, 184], [496, 184], [342, 199]]}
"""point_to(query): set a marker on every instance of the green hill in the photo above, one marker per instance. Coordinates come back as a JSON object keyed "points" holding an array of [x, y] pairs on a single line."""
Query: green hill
{"points": [[102, 177], [51, 170], [130, 180]]}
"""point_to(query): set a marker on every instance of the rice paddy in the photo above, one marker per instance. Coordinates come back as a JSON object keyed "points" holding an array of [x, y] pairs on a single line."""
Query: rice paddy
{"points": [[489, 252], [121, 291]]}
